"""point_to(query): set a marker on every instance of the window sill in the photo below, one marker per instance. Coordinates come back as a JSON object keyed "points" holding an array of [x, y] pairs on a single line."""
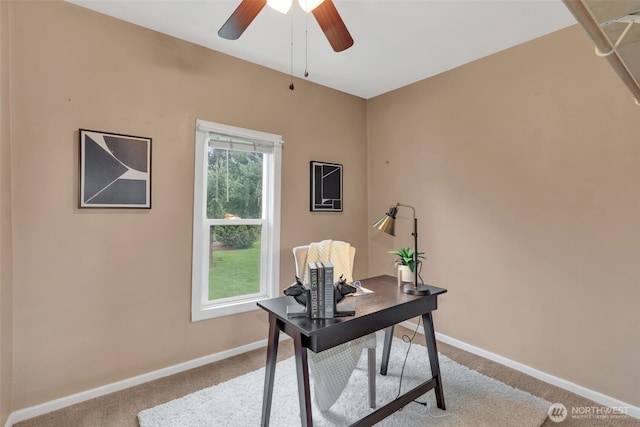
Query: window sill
{"points": [[211, 312]]}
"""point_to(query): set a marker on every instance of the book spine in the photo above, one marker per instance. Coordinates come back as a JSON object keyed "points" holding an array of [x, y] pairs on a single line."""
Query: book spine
{"points": [[321, 309], [313, 289], [329, 301]]}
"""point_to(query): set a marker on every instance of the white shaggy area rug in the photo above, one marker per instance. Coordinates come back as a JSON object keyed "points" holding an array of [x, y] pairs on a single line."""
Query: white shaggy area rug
{"points": [[472, 399]]}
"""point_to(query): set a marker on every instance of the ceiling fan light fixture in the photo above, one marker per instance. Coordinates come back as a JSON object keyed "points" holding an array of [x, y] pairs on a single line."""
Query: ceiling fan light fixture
{"points": [[309, 5], [324, 11], [281, 6]]}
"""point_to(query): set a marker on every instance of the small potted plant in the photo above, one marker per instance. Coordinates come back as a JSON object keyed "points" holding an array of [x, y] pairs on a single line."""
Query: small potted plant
{"points": [[406, 263]]}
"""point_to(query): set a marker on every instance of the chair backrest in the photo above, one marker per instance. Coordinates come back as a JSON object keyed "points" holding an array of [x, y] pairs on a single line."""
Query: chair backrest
{"points": [[300, 257]]}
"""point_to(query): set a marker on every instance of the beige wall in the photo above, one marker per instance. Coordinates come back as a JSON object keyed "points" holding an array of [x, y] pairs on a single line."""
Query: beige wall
{"points": [[102, 295], [524, 168], [6, 340]]}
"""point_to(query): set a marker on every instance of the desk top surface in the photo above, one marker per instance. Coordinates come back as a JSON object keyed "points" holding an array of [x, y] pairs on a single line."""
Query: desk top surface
{"points": [[387, 299]]}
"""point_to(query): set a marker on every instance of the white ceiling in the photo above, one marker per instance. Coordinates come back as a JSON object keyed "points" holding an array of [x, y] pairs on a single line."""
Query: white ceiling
{"points": [[396, 42]]}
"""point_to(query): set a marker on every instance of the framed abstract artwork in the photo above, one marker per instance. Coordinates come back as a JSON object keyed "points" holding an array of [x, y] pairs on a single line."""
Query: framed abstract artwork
{"points": [[115, 170], [326, 187]]}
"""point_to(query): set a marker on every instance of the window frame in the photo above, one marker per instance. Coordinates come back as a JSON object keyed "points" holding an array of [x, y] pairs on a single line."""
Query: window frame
{"points": [[201, 307]]}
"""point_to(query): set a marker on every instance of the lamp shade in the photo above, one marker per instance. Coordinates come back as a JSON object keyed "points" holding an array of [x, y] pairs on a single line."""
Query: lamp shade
{"points": [[309, 5], [281, 6], [388, 222]]}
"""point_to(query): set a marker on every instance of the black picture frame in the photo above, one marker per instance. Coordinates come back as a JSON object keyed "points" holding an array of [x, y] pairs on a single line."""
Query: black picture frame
{"points": [[115, 170], [326, 187]]}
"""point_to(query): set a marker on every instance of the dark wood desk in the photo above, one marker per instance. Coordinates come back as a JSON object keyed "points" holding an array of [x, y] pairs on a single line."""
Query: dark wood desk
{"points": [[386, 306]]}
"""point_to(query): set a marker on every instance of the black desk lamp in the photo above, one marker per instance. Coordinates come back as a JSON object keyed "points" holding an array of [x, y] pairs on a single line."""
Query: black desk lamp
{"points": [[388, 224]]}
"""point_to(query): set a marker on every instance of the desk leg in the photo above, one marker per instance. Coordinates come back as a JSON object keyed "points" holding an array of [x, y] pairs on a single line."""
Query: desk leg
{"points": [[371, 370], [430, 337], [302, 373], [386, 350], [270, 369]]}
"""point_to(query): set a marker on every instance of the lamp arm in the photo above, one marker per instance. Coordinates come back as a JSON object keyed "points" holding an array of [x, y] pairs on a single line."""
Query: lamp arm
{"points": [[408, 206], [415, 243], [415, 251]]}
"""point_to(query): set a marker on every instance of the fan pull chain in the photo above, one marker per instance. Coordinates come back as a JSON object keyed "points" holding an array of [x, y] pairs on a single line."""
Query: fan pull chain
{"points": [[291, 86], [306, 45]]}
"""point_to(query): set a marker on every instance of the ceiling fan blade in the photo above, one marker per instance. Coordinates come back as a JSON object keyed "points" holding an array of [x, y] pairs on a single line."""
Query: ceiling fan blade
{"points": [[240, 19], [332, 25]]}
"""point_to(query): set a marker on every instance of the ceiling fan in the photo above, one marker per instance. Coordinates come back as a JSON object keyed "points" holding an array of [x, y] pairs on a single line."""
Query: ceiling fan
{"points": [[324, 11]]}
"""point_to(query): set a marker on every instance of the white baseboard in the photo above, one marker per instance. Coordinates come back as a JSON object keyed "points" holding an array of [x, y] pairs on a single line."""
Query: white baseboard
{"points": [[10, 421], [63, 402], [597, 397]]}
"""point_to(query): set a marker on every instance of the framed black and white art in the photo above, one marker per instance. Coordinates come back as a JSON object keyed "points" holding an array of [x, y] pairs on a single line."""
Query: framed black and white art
{"points": [[115, 170], [326, 187]]}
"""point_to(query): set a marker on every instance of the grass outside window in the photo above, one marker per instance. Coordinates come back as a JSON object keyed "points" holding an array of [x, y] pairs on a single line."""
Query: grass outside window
{"points": [[234, 272]]}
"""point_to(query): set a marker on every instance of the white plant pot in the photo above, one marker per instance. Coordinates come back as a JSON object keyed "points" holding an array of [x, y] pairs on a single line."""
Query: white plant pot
{"points": [[405, 274]]}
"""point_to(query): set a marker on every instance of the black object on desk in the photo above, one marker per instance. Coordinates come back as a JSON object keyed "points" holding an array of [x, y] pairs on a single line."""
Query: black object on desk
{"points": [[385, 307], [302, 295]]}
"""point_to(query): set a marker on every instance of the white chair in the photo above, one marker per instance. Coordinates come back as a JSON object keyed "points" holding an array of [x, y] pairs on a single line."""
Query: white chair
{"points": [[332, 368]]}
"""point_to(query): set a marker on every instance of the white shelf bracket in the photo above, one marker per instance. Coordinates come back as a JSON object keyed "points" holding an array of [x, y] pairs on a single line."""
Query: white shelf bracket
{"points": [[624, 33]]}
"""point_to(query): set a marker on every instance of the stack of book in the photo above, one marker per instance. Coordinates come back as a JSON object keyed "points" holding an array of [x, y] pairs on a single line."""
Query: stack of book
{"points": [[321, 290]]}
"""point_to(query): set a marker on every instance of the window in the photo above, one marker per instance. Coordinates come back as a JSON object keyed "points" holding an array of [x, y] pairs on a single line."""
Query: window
{"points": [[236, 219]]}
